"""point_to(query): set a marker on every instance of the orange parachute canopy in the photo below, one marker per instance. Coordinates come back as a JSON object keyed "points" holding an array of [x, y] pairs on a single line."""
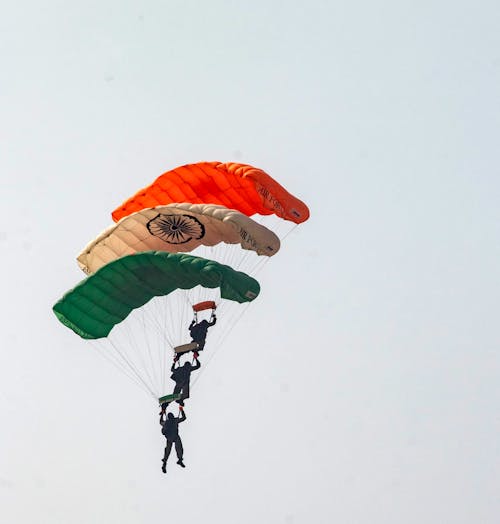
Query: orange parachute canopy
{"points": [[236, 186]]}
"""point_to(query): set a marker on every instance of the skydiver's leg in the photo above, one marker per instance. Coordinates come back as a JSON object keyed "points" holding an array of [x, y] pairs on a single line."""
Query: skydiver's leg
{"points": [[168, 447], [180, 451], [177, 389], [184, 394], [180, 388]]}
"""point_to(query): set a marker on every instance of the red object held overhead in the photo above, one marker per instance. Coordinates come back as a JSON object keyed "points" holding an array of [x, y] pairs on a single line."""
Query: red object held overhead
{"points": [[201, 306], [236, 186]]}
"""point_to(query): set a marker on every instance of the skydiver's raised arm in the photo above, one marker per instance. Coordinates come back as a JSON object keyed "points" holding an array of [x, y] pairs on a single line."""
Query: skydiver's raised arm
{"points": [[197, 365], [213, 321], [183, 417]]}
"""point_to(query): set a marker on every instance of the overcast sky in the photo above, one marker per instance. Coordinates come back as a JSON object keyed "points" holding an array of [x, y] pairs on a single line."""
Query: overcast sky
{"points": [[362, 386]]}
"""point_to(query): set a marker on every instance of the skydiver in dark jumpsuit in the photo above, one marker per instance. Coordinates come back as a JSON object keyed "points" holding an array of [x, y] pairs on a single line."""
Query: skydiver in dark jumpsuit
{"points": [[170, 429], [181, 376], [198, 331]]}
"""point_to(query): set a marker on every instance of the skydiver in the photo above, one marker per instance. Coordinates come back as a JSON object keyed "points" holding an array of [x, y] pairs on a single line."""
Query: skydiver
{"points": [[181, 376], [170, 429], [198, 331]]}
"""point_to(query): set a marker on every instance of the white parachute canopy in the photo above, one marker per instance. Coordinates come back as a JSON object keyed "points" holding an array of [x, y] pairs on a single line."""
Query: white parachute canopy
{"points": [[181, 228]]}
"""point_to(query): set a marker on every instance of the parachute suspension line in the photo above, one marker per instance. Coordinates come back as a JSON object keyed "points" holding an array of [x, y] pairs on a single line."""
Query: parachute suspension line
{"points": [[163, 350], [133, 349], [159, 311], [115, 362], [162, 313], [155, 305], [177, 319], [262, 261], [235, 317], [239, 260], [162, 340], [222, 338], [183, 316], [255, 265], [173, 314], [162, 343], [154, 371], [260, 266], [132, 342], [167, 313], [193, 296], [290, 231], [121, 369], [140, 347], [131, 368], [231, 255]]}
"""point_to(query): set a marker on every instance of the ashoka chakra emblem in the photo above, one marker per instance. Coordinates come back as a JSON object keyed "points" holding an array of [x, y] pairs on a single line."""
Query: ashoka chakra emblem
{"points": [[176, 229]]}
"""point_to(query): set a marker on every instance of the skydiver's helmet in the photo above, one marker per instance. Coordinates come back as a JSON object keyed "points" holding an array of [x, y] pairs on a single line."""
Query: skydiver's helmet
{"points": [[170, 416]]}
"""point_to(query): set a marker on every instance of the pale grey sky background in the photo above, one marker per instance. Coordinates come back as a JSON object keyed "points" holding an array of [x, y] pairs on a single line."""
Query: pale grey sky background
{"points": [[362, 386]]}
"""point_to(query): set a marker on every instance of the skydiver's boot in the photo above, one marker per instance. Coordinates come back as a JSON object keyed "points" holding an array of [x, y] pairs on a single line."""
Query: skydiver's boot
{"points": [[181, 463], [164, 466]]}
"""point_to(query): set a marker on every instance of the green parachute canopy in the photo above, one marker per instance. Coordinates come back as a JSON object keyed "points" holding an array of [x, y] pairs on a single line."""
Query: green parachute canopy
{"points": [[107, 297]]}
